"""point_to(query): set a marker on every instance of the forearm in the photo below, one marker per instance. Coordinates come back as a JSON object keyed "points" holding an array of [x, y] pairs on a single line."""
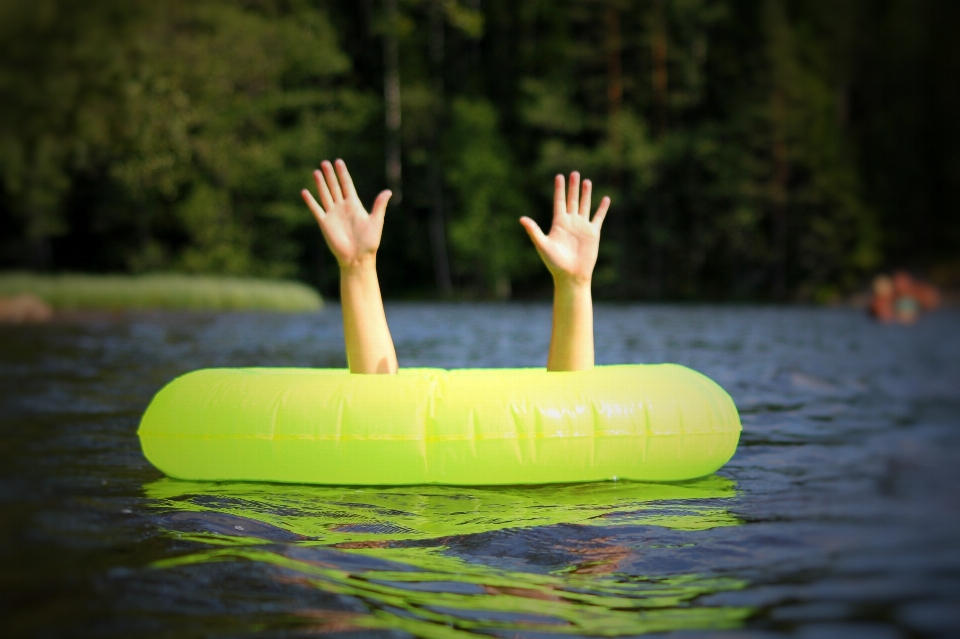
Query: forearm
{"points": [[369, 345], [571, 342]]}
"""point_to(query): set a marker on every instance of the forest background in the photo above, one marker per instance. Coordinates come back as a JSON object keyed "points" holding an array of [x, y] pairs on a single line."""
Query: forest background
{"points": [[761, 149]]}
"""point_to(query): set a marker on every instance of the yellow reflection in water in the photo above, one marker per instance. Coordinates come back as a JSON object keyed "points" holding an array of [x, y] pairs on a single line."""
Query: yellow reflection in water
{"points": [[351, 541], [347, 514]]}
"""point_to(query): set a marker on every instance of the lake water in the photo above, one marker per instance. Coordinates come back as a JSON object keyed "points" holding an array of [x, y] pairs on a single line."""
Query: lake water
{"points": [[839, 516]]}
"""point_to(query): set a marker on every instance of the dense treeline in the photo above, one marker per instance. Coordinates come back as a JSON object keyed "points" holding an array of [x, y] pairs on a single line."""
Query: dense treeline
{"points": [[781, 149]]}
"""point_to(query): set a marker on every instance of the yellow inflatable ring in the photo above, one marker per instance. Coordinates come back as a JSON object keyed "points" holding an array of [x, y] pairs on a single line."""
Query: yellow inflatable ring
{"points": [[429, 426]]}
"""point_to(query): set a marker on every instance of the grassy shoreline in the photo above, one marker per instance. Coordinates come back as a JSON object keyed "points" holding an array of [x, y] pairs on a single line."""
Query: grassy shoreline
{"points": [[71, 292]]}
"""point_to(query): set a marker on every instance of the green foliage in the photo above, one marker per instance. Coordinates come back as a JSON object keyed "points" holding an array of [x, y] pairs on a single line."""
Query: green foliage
{"points": [[201, 119], [746, 189], [485, 236], [124, 292], [781, 149]]}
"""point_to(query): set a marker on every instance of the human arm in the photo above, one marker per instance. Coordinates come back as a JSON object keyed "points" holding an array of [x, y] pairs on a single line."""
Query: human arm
{"points": [[353, 237], [569, 251]]}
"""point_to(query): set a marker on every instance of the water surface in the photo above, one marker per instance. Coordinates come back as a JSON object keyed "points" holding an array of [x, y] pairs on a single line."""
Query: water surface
{"points": [[838, 516]]}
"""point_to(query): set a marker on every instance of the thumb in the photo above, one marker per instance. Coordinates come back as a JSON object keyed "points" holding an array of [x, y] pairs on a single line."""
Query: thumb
{"points": [[533, 230], [380, 204]]}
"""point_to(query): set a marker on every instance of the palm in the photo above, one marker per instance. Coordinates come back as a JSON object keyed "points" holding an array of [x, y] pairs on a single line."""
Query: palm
{"points": [[571, 246], [351, 233], [570, 249]]}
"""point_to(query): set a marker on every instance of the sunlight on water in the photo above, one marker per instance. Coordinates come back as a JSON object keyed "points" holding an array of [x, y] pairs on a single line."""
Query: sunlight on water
{"points": [[390, 548]]}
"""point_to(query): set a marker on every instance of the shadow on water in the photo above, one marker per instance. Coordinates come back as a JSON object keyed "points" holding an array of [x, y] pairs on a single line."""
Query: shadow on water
{"points": [[436, 561]]}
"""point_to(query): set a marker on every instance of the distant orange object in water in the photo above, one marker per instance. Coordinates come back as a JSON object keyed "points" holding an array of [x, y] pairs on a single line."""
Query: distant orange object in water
{"points": [[24, 309], [881, 304], [901, 298]]}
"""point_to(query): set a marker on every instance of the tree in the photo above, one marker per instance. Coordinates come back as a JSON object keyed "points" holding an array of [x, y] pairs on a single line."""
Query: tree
{"points": [[206, 117], [774, 150]]}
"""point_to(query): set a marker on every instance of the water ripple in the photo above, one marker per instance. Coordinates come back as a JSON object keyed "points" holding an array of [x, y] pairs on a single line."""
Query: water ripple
{"points": [[839, 513]]}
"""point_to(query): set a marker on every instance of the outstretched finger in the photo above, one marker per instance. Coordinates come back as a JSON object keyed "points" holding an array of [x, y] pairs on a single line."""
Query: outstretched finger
{"points": [[585, 199], [346, 182], [601, 212], [573, 193], [325, 198], [332, 182], [312, 205], [533, 230], [559, 197], [379, 208]]}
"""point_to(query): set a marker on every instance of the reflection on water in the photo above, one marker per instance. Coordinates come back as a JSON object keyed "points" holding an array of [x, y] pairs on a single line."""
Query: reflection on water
{"points": [[430, 595], [337, 515], [838, 516], [390, 549]]}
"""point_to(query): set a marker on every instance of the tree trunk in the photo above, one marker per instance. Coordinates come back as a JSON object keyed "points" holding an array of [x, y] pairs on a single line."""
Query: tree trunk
{"points": [[778, 195], [438, 235], [614, 85], [391, 97], [658, 51], [659, 81], [625, 261], [779, 47]]}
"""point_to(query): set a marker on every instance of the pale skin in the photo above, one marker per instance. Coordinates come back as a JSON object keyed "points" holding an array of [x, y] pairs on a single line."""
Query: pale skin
{"points": [[569, 251], [353, 236]]}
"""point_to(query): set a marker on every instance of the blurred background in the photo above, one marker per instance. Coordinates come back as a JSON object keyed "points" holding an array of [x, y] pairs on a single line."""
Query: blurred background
{"points": [[754, 150]]}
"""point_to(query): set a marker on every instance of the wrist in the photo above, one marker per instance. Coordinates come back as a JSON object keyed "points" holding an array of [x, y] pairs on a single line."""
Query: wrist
{"points": [[359, 266], [568, 282]]}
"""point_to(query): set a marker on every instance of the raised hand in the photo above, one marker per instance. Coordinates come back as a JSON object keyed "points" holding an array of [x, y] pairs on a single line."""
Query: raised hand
{"points": [[352, 234], [570, 249], [570, 253]]}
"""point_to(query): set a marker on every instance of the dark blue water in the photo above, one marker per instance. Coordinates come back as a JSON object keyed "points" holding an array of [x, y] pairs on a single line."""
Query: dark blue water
{"points": [[839, 516]]}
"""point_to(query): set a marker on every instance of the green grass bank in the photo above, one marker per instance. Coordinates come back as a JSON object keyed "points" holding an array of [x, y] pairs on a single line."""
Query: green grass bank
{"points": [[175, 292]]}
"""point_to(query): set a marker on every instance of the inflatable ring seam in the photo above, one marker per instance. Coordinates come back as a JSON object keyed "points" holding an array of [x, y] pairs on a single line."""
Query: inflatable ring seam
{"points": [[427, 438]]}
